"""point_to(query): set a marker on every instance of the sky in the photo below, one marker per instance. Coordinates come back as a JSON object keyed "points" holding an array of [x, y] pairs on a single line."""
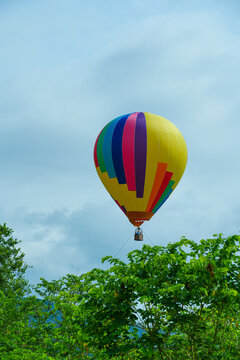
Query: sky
{"points": [[69, 67]]}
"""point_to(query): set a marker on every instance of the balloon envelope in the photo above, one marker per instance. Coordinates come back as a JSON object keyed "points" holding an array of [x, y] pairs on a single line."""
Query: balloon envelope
{"points": [[140, 158]]}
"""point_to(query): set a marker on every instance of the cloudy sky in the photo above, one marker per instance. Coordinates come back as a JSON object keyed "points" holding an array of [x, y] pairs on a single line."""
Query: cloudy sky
{"points": [[66, 69]]}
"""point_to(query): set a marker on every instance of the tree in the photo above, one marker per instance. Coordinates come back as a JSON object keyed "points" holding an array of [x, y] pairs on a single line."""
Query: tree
{"points": [[19, 337], [12, 265], [175, 302], [180, 301]]}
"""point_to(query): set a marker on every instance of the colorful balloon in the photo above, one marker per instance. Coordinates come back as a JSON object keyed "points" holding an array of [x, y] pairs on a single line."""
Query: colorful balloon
{"points": [[140, 158]]}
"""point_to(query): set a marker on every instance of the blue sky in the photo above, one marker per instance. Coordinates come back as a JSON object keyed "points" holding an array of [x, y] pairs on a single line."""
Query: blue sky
{"points": [[69, 67]]}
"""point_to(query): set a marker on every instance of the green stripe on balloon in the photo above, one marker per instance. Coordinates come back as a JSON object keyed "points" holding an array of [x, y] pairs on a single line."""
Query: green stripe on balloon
{"points": [[164, 195], [165, 199], [100, 149]]}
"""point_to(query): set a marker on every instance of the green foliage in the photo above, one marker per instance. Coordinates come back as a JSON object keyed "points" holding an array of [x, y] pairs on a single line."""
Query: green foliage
{"points": [[12, 266], [180, 301], [19, 339], [175, 302]]}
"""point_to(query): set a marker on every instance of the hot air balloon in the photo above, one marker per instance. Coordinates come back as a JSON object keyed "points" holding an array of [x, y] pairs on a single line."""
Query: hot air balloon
{"points": [[140, 158]]}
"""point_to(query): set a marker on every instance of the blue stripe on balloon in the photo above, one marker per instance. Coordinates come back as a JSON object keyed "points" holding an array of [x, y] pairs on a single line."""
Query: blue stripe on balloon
{"points": [[117, 150], [107, 148]]}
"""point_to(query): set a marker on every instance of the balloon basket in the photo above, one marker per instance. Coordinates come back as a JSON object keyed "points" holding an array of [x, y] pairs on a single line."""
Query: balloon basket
{"points": [[138, 236]]}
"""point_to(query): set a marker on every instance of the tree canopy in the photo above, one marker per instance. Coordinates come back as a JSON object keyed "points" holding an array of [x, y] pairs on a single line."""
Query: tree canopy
{"points": [[179, 301]]}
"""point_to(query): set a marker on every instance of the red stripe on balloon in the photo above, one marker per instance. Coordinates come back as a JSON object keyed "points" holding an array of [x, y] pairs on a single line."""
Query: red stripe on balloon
{"points": [[159, 177], [121, 207], [163, 186], [95, 152], [128, 144]]}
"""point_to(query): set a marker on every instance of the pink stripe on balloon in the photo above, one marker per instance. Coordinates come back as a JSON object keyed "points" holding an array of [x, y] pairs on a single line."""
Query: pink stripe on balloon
{"points": [[128, 145]]}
